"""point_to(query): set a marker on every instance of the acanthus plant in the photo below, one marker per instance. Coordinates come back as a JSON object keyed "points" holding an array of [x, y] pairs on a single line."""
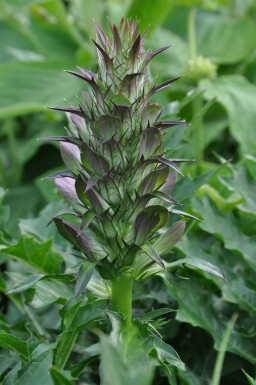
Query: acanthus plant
{"points": [[118, 180]]}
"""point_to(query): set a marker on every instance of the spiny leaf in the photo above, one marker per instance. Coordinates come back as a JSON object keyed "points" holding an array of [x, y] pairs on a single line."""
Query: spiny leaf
{"points": [[92, 161], [148, 222], [39, 255], [153, 181], [154, 53], [83, 277], [72, 233], [166, 241], [151, 252]]}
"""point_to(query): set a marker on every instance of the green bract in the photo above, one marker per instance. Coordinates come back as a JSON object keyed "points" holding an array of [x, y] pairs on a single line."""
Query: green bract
{"points": [[118, 180]]}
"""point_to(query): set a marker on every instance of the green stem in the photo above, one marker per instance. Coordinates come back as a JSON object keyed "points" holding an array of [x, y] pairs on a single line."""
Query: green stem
{"points": [[197, 105], [122, 297], [192, 32], [222, 350]]}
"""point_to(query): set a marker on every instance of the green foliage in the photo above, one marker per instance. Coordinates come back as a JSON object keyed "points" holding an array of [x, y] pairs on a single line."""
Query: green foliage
{"points": [[54, 326]]}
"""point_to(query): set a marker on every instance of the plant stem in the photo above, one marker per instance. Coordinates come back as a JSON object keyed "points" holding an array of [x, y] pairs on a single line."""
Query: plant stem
{"points": [[197, 102], [192, 32], [222, 350], [122, 297], [197, 105]]}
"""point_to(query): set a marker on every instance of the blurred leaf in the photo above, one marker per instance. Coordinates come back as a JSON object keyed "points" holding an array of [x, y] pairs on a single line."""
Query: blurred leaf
{"points": [[15, 42], [47, 292], [249, 378], [242, 181], [185, 188], [14, 343], [149, 12], [40, 256], [61, 377], [75, 317], [37, 227], [23, 201], [26, 283], [224, 39], [37, 371], [51, 29], [30, 281], [227, 228], [196, 306], [238, 97], [236, 291], [86, 11], [114, 369], [172, 62], [38, 86], [167, 354]]}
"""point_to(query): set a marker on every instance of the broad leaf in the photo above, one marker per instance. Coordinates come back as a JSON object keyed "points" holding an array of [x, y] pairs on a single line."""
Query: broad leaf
{"points": [[227, 228], [225, 39], [37, 371], [115, 371], [15, 344], [238, 97], [38, 255], [37, 86]]}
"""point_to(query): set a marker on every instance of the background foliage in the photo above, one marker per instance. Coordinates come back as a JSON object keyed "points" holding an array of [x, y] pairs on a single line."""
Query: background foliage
{"points": [[39, 40]]}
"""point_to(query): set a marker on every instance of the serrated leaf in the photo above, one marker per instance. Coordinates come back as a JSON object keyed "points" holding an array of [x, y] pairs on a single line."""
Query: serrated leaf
{"points": [[15, 344], [237, 96], [227, 228], [243, 182], [36, 371], [61, 377], [196, 308], [40, 256]]}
